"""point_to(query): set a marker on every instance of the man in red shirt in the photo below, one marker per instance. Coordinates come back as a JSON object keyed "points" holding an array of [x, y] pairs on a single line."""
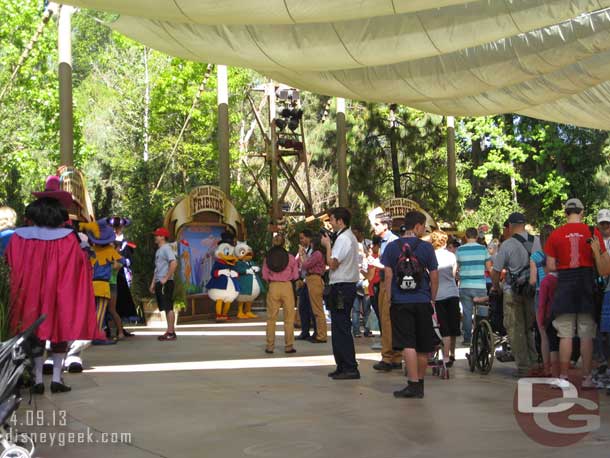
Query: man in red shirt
{"points": [[572, 254]]}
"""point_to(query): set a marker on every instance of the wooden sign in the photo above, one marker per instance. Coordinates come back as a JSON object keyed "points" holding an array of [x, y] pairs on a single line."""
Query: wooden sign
{"points": [[399, 206], [204, 204], [207, 199], [73, 181]]}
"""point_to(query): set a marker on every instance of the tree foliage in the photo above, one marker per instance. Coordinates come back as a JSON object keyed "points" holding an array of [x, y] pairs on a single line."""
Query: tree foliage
{"points": [[504, 162]]}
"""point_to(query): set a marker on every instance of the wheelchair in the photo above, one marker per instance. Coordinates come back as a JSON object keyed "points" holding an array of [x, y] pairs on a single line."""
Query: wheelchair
{"points": [[488, 342]]}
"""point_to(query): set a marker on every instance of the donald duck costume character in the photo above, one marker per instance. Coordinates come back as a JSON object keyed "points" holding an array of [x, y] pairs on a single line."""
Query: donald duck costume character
{"points": [[223, 286], [250, 284]]}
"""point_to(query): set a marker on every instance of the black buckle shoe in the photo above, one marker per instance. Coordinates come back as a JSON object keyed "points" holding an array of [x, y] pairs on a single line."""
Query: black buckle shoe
{"points": [[38, 388], [60, 387]]}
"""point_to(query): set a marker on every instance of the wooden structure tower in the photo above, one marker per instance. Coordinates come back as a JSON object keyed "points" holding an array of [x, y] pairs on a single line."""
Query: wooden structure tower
{"points": [[275, 167]]}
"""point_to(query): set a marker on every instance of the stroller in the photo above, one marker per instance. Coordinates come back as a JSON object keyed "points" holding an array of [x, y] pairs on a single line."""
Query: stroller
{"points": [[16, 358], [437, 360]]}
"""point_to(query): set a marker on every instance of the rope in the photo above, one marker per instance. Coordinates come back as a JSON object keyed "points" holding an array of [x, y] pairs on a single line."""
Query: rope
{"points": [[202, 86], [26, 52]]}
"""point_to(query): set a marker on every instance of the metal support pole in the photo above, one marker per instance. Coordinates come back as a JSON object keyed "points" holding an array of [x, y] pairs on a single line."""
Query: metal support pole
{"points": [[342, 153], [451, 164], [273, 185], [223, 130], [66, 121]]}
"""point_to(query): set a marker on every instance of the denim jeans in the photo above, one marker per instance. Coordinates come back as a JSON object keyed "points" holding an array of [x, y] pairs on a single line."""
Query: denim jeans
{"points": [[362, 304], [466, 298], [305, 311]]}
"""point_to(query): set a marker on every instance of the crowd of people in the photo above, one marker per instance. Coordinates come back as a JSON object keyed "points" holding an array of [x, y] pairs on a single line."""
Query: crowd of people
{"points": [[549, 291], [552, 288]]}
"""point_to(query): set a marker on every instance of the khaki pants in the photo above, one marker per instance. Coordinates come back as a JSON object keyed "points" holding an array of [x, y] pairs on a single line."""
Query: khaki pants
{"points": [[280, 294], [297, 306], [387, 354], [315, 287], [518, 319]]}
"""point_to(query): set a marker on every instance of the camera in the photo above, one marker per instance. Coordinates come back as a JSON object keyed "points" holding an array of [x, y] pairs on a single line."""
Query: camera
{"points": [[330, 234]]}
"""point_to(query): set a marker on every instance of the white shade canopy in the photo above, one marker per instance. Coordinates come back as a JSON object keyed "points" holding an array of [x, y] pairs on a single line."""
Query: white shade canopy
{"points": [[548, 59]]}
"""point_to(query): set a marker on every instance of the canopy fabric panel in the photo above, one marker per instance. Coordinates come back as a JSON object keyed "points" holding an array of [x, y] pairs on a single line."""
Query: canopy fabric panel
{"points": [[549, 59]]}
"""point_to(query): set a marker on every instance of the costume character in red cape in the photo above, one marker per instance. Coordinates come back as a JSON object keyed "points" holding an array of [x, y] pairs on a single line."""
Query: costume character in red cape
{"points": [[51, 275]]}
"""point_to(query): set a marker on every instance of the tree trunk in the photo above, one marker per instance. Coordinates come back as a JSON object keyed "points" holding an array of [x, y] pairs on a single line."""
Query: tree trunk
{"points": [[146, 103], [476, 162], [395, 166]]}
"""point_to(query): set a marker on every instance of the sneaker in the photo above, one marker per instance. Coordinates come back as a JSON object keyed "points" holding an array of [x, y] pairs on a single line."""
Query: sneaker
{"points": [[358, 335], [562, 383], [302, 337], [368, 334], [588, 383], [382, 366], [167, 336]]}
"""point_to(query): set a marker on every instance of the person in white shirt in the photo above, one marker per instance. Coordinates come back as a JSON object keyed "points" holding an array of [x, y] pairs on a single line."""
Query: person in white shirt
{"points": [[390, 358], [448, 295], [342, 259]]}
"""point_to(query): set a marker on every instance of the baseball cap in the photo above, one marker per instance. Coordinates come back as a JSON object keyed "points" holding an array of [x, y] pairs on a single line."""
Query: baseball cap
{"points": [[603, 215], [574, 203], [516, 218], [162, 232]]}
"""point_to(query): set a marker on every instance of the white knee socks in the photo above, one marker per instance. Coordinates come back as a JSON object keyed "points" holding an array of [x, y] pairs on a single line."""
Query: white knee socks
{"points": [[58, 365], [38, 361]]}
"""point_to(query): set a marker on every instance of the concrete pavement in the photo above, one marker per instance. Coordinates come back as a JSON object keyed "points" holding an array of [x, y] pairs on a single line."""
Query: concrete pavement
{"points": [[214, 392]]}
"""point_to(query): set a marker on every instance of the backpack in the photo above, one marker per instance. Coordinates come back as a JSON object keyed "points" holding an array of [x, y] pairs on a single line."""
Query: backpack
{"points": [[277, 259], [520, 281], [409, 271]]}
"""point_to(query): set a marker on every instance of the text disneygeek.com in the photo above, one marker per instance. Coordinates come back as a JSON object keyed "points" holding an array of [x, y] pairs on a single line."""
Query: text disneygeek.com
{"points": [[62, 439]]}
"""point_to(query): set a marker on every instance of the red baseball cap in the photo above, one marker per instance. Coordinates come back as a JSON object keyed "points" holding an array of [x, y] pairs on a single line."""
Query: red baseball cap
{"points": [[162, 232]]}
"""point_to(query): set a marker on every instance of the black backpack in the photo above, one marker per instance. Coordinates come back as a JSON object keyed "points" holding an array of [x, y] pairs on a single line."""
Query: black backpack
{"points": [[520, 281], [409, 271]]}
